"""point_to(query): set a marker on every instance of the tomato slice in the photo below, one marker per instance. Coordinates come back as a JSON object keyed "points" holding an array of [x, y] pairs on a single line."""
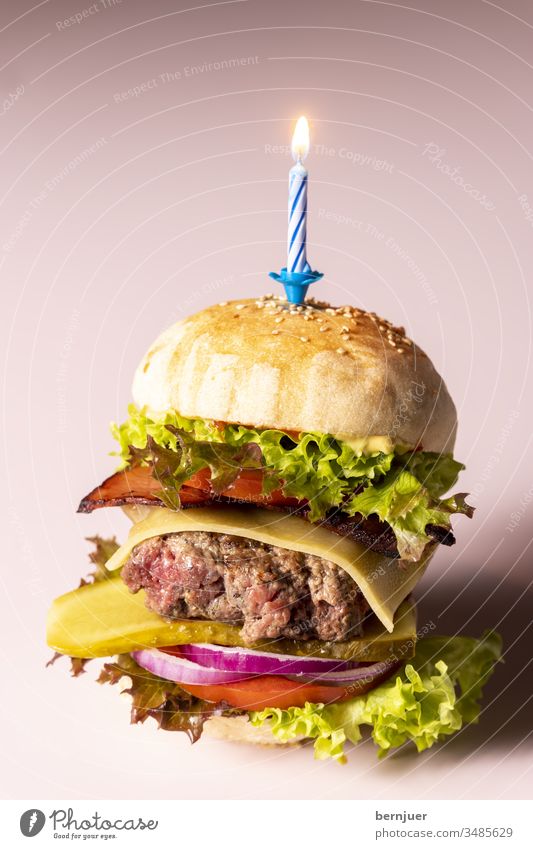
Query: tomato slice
{"points": [[274, 691]]}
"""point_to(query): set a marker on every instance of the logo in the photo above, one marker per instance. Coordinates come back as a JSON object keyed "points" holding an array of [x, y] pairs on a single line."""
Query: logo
{"points": [[32, 822]]}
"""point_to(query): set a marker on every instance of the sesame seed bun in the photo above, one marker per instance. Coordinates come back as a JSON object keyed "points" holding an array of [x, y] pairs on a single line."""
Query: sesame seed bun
{"points": [[337, 370]]}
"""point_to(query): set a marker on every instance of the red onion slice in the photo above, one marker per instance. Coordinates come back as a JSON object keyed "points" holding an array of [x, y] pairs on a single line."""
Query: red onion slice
{"points": [[181, 670], [252, 662], [372, 671], [184, 671]]}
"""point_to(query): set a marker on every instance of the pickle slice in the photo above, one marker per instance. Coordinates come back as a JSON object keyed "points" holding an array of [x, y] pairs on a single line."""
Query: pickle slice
{"points": [[105, 618]]}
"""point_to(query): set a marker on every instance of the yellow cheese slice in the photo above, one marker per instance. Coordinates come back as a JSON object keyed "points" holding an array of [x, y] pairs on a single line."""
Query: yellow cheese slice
{"points": [[383, 581]]}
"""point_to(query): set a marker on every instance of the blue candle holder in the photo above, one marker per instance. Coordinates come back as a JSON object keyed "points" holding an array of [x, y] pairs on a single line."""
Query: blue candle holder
{"points": [[295, 283]]}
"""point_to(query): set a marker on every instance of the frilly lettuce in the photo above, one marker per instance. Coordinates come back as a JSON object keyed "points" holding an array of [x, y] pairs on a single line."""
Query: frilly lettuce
{"points": [[402, 488], [408, 506], [314, 466], [432, 697]]}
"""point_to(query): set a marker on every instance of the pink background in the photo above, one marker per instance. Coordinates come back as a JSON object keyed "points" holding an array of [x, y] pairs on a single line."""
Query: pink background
{"points": [[122, 212]]}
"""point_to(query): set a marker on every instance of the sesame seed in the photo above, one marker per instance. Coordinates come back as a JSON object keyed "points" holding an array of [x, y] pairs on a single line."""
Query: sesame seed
{"points": [[341, 351], [345, 328], [278, 320], [275, 332], [304, 339], [240, 306], [223, 304], [324, 328]]}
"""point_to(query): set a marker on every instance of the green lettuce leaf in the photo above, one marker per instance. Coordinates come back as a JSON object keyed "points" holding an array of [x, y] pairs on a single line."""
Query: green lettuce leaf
{"points": [[134, 432], [437, 472], [310, 466], [402, 488], [432, 697], [409, 507], [172, 467]]}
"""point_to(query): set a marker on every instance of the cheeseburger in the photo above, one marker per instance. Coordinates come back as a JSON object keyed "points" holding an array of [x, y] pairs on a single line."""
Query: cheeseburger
{"points": [[286, 470]]}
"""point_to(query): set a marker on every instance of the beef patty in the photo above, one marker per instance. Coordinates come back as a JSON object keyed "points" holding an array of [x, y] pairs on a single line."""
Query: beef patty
{"points": [[272, 592]]}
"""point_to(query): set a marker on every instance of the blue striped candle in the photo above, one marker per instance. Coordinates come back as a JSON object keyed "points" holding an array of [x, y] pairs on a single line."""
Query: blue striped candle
{"points": [[296, 244]]}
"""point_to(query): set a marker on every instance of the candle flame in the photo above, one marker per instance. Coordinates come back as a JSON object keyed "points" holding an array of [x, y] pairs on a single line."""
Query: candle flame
{"points": [[300, 139]]}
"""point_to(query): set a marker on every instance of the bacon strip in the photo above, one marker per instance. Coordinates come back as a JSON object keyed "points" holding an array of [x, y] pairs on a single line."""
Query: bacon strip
{"points": [[131, 486], [137, 486]]}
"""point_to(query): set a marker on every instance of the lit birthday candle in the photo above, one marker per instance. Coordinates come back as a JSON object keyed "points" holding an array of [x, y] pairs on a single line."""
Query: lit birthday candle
{"points": [[296, 245], [298, 275]]}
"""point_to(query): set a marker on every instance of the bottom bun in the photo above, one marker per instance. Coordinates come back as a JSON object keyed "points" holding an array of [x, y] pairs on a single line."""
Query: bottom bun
{"points": [[239, 729]]}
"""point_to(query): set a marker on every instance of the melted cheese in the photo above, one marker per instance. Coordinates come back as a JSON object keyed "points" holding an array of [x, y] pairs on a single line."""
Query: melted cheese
{"points": [[384, 582]]}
